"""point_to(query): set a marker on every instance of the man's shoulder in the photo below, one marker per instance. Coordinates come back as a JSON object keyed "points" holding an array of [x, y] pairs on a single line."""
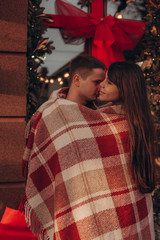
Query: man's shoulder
{"points": [[52, 99], [49, 104], [39, 112]]}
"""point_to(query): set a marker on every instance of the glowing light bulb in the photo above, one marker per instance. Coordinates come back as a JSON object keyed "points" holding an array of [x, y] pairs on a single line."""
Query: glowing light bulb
{"points": [[61, 82], [59, 79], [51, 80], [41, 79], [119, 15], [66, 75]]}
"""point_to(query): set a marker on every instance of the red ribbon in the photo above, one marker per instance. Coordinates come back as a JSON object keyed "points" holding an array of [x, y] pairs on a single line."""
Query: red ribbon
{"points": [[111, 36]]}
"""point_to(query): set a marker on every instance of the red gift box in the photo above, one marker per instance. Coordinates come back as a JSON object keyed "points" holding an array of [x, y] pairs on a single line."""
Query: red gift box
{"points": [[13, 226]]}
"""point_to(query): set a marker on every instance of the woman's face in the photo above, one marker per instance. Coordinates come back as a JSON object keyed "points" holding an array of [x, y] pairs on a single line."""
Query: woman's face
{"points": [[108, 91]]}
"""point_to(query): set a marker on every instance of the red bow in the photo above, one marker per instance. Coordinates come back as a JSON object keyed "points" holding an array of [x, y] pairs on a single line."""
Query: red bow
{"points": [[111, 36]]}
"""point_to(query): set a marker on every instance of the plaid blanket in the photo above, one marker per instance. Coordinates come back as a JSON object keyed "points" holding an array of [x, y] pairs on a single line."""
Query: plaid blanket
{"points": [[79, 184]]}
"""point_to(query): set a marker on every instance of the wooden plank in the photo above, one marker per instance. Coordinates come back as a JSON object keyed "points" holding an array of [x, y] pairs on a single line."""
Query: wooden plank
{"points": [[10, 196], [13, 22], [12, 105], [13, 84], [12, 142]]}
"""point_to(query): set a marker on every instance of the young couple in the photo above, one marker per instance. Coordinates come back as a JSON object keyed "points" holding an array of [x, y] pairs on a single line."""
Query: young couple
{"points": [[91, 171]]}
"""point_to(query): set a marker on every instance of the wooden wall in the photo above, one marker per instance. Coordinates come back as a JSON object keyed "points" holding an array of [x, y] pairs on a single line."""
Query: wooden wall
{"points": [[13, 47]]}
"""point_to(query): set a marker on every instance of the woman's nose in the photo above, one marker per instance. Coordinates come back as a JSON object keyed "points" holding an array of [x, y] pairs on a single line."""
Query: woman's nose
{"points": [[102, 84]]}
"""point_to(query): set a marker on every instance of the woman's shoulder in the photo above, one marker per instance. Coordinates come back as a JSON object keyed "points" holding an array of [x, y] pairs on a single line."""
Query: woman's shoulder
{"points": [[109, 108]]}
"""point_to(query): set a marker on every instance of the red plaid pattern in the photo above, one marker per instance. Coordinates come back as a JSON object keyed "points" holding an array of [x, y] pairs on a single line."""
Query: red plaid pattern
{"points": [[79, 184]]}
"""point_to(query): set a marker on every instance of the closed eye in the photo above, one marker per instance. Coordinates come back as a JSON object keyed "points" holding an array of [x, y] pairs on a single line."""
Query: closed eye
{"points": [[98, 82], [109, 82]]}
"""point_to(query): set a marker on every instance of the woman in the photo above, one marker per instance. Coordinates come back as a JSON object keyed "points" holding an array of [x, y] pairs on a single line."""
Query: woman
{"points": [[124, 90], [125, 85]]}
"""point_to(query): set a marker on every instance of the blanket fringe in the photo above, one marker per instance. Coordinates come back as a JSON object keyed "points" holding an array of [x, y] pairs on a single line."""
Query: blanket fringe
{"points": [[31, 219], [21, 205]]}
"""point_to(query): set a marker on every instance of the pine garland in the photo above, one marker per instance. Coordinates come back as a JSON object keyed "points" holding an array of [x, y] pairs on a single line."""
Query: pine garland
{"points": [[150, 44], [150, 55], [37, 47]]}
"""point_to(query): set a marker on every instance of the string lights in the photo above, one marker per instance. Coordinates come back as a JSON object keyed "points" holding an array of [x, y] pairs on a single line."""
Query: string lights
{"points": [[53, 80], [119, 15]]}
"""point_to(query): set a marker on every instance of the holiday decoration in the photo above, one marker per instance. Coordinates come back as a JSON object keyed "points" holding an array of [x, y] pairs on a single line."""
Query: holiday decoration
{"points": [[53, 79], [37, 47], [110, 36], [150, 53]]}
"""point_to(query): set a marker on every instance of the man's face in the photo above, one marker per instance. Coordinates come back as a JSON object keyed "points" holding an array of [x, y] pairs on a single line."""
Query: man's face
{"points": [[90, 86]]}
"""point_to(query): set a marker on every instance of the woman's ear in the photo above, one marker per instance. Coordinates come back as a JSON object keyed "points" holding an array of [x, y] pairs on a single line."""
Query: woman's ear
{"points": [[76, 80]]}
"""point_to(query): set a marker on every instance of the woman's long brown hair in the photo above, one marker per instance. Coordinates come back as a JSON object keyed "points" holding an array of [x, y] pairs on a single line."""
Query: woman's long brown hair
{"points": [[130, 80]]}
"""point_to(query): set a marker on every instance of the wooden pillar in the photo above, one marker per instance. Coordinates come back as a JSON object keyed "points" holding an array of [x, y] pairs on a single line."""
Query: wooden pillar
{"points": [[13, 47]]}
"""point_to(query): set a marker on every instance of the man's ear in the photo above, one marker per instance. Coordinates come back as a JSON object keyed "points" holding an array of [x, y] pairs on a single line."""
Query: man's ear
{"points": [[76, 80]]}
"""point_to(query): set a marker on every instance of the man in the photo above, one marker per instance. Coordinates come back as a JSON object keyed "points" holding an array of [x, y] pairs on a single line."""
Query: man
{"points": [[86, 74], [59, 130]]}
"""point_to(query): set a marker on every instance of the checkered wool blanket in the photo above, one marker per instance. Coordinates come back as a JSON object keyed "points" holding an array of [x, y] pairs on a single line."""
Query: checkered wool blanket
{"points": [[79, 184]]}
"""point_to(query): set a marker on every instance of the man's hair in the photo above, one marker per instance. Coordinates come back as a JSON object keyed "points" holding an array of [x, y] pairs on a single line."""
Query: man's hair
{"points": [[83, 65], [129, 79]]}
